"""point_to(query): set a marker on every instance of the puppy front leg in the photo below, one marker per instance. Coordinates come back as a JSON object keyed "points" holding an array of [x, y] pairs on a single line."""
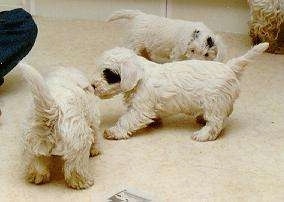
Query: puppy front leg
{"points": [[94, 151], [131, 121]]}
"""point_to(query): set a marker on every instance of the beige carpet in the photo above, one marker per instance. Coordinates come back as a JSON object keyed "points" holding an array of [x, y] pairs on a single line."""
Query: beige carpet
{"points": [[245, 164]]}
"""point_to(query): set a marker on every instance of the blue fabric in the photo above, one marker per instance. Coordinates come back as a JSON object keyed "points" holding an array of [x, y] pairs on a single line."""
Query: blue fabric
{"points": [[18, 32]]}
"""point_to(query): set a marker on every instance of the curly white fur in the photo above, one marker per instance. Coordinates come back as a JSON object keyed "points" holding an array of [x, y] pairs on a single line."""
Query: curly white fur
{"points": [[64, 122], [204, 89], [164, 40], [266, 18]]}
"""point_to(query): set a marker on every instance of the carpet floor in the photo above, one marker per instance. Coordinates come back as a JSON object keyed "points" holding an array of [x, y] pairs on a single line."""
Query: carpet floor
{"points": [[246, 163]]}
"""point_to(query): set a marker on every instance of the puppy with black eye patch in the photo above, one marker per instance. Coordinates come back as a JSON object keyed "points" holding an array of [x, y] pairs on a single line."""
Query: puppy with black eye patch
{"points": [[166, 40], [204, 43], [205, 90], [107, 77], [111, 77]]}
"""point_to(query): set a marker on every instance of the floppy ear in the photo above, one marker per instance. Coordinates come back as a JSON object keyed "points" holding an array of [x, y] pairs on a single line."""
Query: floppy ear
{"points": [[221, 48], [130, 73]]}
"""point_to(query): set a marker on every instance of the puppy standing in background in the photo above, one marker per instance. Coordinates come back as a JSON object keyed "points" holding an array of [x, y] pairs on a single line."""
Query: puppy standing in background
{"points": [[64, 122], [203, 89], [164, 40]]}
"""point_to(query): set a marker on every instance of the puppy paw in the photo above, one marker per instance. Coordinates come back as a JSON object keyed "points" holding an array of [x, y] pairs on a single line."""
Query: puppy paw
{"points": [[94, 151], [112, 135], [38, 177], [77, 181], [202, 136]]}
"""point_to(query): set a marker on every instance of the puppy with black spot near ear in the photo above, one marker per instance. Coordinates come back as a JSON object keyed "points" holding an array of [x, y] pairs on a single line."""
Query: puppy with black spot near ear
{"points": [[203, 89], [164, 40]]}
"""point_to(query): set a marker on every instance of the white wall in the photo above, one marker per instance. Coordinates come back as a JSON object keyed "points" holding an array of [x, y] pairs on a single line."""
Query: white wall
{"points": [[9, 4], [219, 15], [95, 9]]}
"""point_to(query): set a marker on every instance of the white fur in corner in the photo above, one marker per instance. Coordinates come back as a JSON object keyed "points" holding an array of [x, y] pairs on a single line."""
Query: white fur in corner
{"points": [[64, 122], [203, 89], [266, 18]]}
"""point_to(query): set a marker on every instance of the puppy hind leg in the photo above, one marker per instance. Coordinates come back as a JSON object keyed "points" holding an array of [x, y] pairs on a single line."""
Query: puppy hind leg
{"points": [[77, 170], [211, 130], [38, 169]]}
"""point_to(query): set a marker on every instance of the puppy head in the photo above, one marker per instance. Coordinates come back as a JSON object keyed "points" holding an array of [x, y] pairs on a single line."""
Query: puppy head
{"points": [[76, 77], [118, 72], [204, 45]]}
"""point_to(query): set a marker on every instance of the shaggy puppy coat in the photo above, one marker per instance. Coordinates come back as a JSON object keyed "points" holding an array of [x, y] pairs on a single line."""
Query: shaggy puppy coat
{"points": [[64, 122], [204, 89], [266, 17], [164, 40]]}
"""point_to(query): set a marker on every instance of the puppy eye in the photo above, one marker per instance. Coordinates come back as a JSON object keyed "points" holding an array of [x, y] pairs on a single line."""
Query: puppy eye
{"points": [[111, 77], [206, 55], [192, 50]]}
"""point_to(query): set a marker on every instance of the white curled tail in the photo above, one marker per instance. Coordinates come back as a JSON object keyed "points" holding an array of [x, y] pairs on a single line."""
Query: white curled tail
{"points": [[124, 14], [45, 107], [238, 64]]}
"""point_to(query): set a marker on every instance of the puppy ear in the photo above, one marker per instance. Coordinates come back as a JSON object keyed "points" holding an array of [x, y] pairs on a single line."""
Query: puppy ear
{"points": [[221, 49], [130, 73]]}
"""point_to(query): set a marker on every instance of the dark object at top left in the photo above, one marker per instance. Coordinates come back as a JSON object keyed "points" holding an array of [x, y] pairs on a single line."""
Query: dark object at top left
{"points": [[18, 33]]}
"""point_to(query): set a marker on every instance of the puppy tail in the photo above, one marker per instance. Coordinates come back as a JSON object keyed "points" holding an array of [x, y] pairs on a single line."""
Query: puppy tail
{"points": [[221, 48], [45, 107], [124, 14], [238, 64]]}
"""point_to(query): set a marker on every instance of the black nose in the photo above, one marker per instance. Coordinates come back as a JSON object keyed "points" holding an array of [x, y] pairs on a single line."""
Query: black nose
{"points": [[93, 86]]}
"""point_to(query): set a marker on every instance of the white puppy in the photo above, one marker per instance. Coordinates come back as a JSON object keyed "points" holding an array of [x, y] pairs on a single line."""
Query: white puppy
{"points": [[164, 40], [198, 88], [64, 122]]}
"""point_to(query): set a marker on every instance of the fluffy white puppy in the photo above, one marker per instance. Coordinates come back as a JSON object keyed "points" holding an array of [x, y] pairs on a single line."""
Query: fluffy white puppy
{"points": [[266, 18], [164, 40], [64, 122], [204, 89]]}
